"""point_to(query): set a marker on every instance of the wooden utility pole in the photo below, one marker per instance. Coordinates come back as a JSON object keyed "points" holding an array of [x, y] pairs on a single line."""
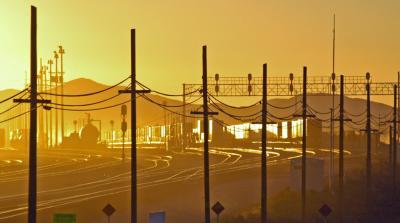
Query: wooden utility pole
{"points": [[184, 139], [341, 149], [133, 93], [390, 145], [205, 114], [369, 160], [304, 149], [32, 187], [394, 157], [33, 101], [133, 130], [206, 132], [264, 149]]}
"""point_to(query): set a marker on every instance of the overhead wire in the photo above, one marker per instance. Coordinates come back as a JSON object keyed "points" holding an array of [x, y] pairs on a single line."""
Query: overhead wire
{"points": [[85, 94], [13, 96]]}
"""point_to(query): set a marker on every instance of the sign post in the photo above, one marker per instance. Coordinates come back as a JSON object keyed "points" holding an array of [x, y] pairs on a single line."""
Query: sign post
{"points": [[109, 210], [218, 209], [325, 211], [124, 127]]}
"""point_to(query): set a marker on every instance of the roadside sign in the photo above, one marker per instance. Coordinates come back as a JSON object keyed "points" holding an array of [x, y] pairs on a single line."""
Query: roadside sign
{"points": [[218, 208], [157, 217], [64, 218], [325, 210], [108, 210]]}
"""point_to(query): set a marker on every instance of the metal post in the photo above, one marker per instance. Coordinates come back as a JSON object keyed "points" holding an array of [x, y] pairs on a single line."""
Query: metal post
{"points": [[264, 149], [332, 136], [41, 120], [165, 128], [61, 51], [56, 97], [398, 103], [123, 146], [184, 118], [50, 62], [394, 163], [133, 130], [368, 129], [341, 148], [46, 112], [390, 145], [304, 148], [33, 123], [206, 130]]}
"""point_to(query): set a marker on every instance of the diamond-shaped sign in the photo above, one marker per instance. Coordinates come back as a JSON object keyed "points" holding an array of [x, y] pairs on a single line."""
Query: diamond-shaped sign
{"points": [[325, 210], [218, 208], [109, 210]]}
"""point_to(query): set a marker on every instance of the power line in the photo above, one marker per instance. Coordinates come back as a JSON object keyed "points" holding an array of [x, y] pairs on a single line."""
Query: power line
{"points": [[235, 107], [166, 94], [13, 96], [85, 94], [12, 107], [166, 108], [19, 115]]}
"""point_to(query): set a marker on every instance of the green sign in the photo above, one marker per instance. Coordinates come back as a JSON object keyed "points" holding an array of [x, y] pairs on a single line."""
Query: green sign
{"points": [[64, 218]]}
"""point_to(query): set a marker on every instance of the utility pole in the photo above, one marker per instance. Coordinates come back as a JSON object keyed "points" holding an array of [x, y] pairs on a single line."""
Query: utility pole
{"points": [[56, 97], [332, 130], [304, 117], [332, 141], [394, 139], [112, 133], [341, 149], [165, 128], [304, 149], [33, 101], [133, 93], [61, 51], [46, 112], [398, 103], [390, 145], [184, 119], [32, 187], [205, 114], [368, 129], [206, 130], [332, 136], [133, 130], [264, 149]]}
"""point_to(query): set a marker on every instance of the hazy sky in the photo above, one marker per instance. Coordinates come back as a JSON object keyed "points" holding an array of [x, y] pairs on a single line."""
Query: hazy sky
{"points": [[240, 34]]}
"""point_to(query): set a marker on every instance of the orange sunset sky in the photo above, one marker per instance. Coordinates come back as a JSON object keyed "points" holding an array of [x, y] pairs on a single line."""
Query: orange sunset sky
{"points": [[240, 35]]}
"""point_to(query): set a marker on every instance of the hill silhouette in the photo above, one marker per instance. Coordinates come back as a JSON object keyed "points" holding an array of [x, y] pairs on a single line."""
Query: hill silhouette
{"points": [[149, 113]]}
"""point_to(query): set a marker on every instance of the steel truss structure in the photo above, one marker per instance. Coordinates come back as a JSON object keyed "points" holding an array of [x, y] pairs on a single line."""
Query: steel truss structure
{"points": [[282, 86]]}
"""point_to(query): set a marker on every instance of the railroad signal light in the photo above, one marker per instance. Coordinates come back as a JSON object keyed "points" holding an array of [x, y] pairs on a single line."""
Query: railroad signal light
{"points": [[249, 77], [124, 126], [217, 77], [123, 110]]}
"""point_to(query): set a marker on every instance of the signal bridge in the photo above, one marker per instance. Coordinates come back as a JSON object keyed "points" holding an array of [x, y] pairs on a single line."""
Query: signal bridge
{"points": [[289, 85]]}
